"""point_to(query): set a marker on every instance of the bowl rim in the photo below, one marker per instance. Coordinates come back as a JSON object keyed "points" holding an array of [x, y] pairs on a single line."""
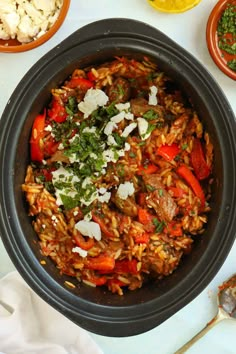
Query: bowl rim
{"points": [[211, 37], [113, 320], [16, 48]]}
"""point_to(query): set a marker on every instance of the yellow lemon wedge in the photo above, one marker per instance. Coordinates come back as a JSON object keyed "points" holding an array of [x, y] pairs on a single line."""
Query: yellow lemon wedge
{"points": [[173, 5]]}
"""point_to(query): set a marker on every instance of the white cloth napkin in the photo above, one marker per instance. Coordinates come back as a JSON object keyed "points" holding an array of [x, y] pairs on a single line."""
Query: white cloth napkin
{"points": [[28, 325]]}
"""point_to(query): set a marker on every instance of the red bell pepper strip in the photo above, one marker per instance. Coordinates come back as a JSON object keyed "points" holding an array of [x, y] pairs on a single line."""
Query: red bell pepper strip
{"points": [[57, 112], [79, 82], [126, 266], [83, 243], [201, 169], [174, 229], [176, 192], [193, 182], [168, 152], [144, 216], [91, 76], [147, 169], [48, 173], [142, 238], [50, 147], [36, 140], [102, 225], [98, 281], [101, 263]]}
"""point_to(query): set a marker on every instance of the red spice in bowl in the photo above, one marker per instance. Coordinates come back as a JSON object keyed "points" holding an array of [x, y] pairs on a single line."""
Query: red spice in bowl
{"points": [[220, 44]]}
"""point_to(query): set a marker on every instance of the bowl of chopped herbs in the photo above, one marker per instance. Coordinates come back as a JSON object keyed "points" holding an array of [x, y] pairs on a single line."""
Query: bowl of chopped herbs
{"points": [[221, 36]]}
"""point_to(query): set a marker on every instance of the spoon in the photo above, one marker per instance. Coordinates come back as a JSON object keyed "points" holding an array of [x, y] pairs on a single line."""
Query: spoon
{"points": [[226, 311]]}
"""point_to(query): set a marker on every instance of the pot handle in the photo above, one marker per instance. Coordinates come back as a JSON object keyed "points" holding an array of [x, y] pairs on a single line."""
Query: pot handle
{"points": [[114, 27]]}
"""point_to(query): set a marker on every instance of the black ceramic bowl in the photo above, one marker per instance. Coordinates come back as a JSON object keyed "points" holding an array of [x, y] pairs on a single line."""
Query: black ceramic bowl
{"points": [[96, 309]]}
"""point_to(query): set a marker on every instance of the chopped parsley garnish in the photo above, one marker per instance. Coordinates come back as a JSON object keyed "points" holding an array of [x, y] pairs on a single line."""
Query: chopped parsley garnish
{"points": [[177, 158], [150, 115], [141, 143], [63, 131], [150, 128], [118, 139], [71, 106], [121, 170], [226, 31], [132, 154], [227, 22], [150, 188], [69, 202], [184, 146], [232, 64], [159, 225], [102, 115]]}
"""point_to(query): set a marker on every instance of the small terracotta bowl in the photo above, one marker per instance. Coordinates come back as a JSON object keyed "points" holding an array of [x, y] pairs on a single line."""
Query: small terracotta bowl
{"points": [[14, 46], [219, 56]]}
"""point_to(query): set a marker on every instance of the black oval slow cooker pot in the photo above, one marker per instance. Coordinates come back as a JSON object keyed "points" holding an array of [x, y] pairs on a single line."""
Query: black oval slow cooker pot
{"points": [[96, 309]]}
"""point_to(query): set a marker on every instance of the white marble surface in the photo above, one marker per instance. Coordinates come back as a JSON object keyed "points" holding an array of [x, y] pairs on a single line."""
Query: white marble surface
{"points": [[187, 29]]}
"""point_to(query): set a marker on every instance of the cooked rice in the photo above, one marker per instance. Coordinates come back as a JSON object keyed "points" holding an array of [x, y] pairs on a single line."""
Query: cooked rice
{"points": [[138, 249]]}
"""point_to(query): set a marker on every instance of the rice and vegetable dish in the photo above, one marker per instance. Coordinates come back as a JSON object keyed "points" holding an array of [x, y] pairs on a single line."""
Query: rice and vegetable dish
{"points": [[119, 181]]}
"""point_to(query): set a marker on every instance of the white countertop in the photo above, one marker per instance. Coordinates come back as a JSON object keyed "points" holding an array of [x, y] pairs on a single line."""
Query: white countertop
{"points": [[188, 30]]}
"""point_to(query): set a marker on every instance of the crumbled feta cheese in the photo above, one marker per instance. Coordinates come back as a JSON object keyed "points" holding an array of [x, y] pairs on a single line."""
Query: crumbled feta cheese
{"points": [[118, 117], [62, 175], [152, 100], [3, 33], [82, 164], [129, 116], [127, 147], [89, 130], [82, 253], [89, 228], [91, 199], [142, 126], [123, 106], [45, 5], [88, 216], [128, 130], [25, 20], [111, 140], [125, 190], [7, 6], [71, 140], [10, 22], [73, 158], [109, 156], [60, 147], [93, 99], [93, 156], [102, 190], [48, 128], [109, 128], [86, 182], [105, 197]]}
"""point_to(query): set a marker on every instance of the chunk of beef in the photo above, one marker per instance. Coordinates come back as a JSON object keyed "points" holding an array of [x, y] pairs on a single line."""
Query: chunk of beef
{"points": [[127, 206], [119, 91], [159, 199], [139, 106]]}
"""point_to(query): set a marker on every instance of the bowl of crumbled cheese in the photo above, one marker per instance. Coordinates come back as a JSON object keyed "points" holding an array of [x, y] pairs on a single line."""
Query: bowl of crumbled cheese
{"points": [[26, 24]]}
